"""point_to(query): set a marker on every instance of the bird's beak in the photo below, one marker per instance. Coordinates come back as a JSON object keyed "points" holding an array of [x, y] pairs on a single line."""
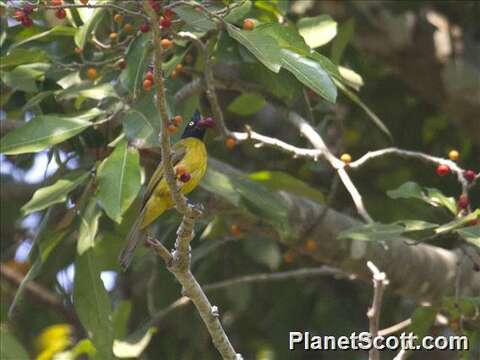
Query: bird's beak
{"points": [[206, 123]]}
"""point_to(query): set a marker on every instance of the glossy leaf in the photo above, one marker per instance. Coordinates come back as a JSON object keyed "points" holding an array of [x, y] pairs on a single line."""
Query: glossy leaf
{"points": [[247, 104], [58, 30], [97, 92], [24, 77], [407, 190], [198, 20], [119, 180], [310, 73], [239, 12], [88, 226], [471, 234], [264, 47], [344, 34], [92, 304], [20, 56], [318, 30], [120, 317], [458, 222], [279, 180], [44, 131], [83, 32], [264, 251], [55, 193], [136, 55], [287, 37]]}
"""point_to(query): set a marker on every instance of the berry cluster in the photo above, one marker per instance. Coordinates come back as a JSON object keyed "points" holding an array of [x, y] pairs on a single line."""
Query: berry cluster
{"points": [[148, 81], [24, 15], [469, 175], [174, 123]]}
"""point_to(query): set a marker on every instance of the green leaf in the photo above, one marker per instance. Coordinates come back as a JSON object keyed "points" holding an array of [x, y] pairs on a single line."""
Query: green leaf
{"points": [[264, 251], [21, 56], [59, 30], [10, 347], [416, 225], [88, 226], [345, 32], [287, 37], [431, 196], [264, 47], [97, 92], [422, 320], [458, 223], [436, 198], [279, 180], [317, 31], [247, 104], [373, 232], [407, 190], [198, 20], [46, 130], [327, 64], [120, 317], [136, 56], [92, 304], [471, 234], [119, 180], [310, 73], [24, 77], [82, 34], [376, 120], [133, 346], [239, 12], [221, 185], [351, 78], [31, 275], [55, 193]]}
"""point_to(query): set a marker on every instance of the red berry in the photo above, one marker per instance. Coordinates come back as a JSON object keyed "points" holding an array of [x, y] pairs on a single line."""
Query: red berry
{"points": [[147, 85], [149, 76], [156, 6], [185, 177], [27, 9], [469, 175], [61, 13], [443, 170], [19, 15], [27, 21], [463, 201], [165, 22], [144, 28], [168, 13]]}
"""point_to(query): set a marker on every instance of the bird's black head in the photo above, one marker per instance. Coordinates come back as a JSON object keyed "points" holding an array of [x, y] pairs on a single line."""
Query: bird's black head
{"points": [[197, 126]]}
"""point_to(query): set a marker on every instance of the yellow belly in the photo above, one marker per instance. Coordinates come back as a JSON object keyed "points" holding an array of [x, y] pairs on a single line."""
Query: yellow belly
{"points": [[195, 161]]}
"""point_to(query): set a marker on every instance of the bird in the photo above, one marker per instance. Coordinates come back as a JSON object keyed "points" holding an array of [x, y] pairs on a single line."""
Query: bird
{"points": [[190, 155]]}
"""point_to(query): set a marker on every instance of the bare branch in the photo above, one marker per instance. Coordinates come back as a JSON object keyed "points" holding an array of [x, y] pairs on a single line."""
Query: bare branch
{"points": [[379, 283]]}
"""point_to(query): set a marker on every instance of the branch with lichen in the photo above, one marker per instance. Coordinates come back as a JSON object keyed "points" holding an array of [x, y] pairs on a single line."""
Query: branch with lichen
{"points": [[178, 262]]}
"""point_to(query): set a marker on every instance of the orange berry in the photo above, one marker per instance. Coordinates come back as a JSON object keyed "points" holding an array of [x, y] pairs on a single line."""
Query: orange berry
{"points": [[172, 129], [174, 74], [147, 85], [84, 2], [180, 169], [122, 63], [179, 67], [311, 245], [453, 155], [57, 2], [92, 73], [346, 158], [113, 36], [235, 230], [78, 50], [128, 28], [248, 24], [166, 43], [177, 120], [288, 257], [230, 143], [118, 18]]}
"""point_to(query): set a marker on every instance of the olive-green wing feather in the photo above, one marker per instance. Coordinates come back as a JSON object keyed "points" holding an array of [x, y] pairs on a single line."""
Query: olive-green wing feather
{"points": [[135, 235]]}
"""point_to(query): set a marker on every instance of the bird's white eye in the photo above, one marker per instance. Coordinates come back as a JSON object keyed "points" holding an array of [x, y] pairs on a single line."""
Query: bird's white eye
{"points": [[191, 123]]}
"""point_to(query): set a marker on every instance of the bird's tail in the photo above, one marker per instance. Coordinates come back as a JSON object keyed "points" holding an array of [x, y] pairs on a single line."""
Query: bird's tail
{"points": [[134, 237]]}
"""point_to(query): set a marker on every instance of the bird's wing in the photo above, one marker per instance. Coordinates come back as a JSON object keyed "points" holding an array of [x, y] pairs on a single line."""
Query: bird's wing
{"points": [[179, 151]]}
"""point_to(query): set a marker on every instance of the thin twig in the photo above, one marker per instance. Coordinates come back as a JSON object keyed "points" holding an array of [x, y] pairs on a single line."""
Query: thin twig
{"points": [[373, 314], [178, 263]]}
